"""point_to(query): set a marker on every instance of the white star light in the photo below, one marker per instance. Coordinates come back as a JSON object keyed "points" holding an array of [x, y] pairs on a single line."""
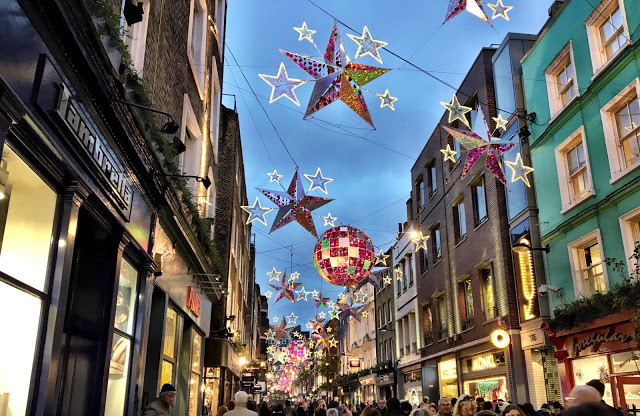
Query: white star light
{"points": [[309, 325], [449, 153], [274, 275], [275, 319], [520, 171], [292, 319], [421, 241], [294, 276], [282, 85], [302, 294], [499, 9], [399, 273], [387, 100], [256, 212], [329, 220], [321, 315], [386, 280], [367, 45], [381, 258], [304, 32], [275, 176], [359, 296], [314, 293], [330, 304], [318, 181], [268, 294], [501, 123]]}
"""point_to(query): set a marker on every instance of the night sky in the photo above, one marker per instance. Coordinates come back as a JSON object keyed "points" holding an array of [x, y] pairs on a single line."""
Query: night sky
{"points": [[370, 168]]}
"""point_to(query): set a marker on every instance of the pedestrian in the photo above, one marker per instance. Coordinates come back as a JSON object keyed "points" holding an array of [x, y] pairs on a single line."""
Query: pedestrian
{"points": [[599, 385], [406, 408], [382, 407], [277, 411], [486, 412], [420, 412], [444, 407], [433, 409], [370, 411], [425, 399], [589, 409], [513, 410], [453, 402], [394, 407], [345, 410], [222, 410], [335, 405], [332, 411], [264, 409], [253, 406], [582, 394], [240, 408], [163, 405], [487, 406], [288, 409], [231, 405], [557, 408], [321, 412], [465, 406], [480, 402], [528, 409], [300, 410], [354, 410]]}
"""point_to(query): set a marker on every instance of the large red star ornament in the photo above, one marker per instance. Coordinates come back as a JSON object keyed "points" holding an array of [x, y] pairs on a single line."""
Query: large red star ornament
{"points": [[295, 205], [472, 6], [282, 330], [285, 289], [337, 78]]}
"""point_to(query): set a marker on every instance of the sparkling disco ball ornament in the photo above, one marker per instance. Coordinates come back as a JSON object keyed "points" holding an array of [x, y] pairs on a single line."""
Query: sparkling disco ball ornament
{"points": [[344, 256]]}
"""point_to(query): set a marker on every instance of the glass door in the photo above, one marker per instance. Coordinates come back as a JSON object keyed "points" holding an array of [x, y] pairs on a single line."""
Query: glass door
{"points": [[628, 391]]}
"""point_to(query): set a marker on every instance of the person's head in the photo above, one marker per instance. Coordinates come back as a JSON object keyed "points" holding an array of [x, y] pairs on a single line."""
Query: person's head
{"points": [[264, 405], [589, 409], [513, 410], [426, 399], [528, 409], [486, 412], [322, 404], [333, 404], [249, 397], [321, 412], [406, 407], [231, 405], [393, 403], [287, 403], [423, 405], [433, 409], [370, 411], [598, 385], [479, 401], [167, 394], [444, 406], [420, 412], [557, 406], [487, 406], [332, 412], [222, 410], [382, 403], [251, 405], [465, 406], [582, 394], [241, 398], [453, 401], [279, 408]]}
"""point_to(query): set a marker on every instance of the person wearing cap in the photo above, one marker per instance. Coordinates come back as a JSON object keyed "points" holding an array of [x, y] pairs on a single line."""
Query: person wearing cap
{"points": [[163, 405]]}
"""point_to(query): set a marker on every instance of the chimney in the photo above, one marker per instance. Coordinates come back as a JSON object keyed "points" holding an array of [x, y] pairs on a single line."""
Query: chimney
{"points": [[399, 227], [555, 7]]}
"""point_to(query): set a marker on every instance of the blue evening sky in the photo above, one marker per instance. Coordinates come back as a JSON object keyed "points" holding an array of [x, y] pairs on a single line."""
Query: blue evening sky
{"points": [[371, 182]]}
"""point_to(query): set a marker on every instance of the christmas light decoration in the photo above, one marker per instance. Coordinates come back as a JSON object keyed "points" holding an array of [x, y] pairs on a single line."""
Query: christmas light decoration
{"points": [[365, 314], [318, 181], [421, 241], [304, 32], [294, 205], [387, 100], [499, 10], [334, 314], [501, 123], [381, 258], [368, 280], [282, 330], [472, 6], [367, 45], [399, 273], [449, 153], [344, 256], [322, 315], [292, 319], [275, 319], [282, 85], [337, 78], [271, 334], [314, 294], [528, 279], [329, 220], [456, 111], [386, 280], [274, 274], [330, 304], [285, 289], [275, 176], [359, 296], [500, 338], [520, 171], [333, 343], [268, 294], [302, 294], [294, 276], [321, 301], [256, 212]]}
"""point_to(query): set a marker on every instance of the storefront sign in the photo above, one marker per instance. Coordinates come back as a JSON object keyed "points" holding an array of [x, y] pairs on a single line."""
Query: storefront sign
{"points": [[598, 338], [500, 338], [96, 148], [483, 362], [193, 301], [448, 370], [354, 362], [533, 338]]}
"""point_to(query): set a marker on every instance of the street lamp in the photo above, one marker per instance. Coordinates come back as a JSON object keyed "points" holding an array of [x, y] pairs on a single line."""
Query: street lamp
{"points": [[521, 248]]}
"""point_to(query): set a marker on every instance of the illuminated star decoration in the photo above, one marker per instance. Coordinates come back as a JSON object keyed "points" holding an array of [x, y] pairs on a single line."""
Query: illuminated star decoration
{"points": [[500, 122], [330, 304], [271, 334], [365, 314], [302, 294], [350, 311], [449, 153], [294, 205], [421, 241], [274, 275], [499, 9], [318, 181], [329, 220], [334, 314], [282, 85], [304, 32], [387, 100], [285, 290], [321, 301], [399, 273], [275, 319], [268, 294], [256, 212], [336, 78], [314, 293], [386, 280], [294, 276], [332, 342], [322, 315], [477, 146], [520, 171], [281, 330], [472, 6], [456, 111], [381, 258], [359, 296], [275, 176], [367, 45], [292, 319]]}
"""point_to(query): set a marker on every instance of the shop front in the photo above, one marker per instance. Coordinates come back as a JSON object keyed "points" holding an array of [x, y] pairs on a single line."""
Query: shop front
{"points": [[412, 384], [485, 375], [368, 383], [605, 349], [385, 384], [448, 376]]}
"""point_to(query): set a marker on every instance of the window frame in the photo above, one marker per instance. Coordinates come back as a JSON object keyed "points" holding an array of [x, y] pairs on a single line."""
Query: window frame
{"points": [[200, 60], [420, 194], [574, 259], [459, 219], [436, 243], [409, 259], [608, 112], [135, 36], [432, 178], [568, 200], [628, 240], [603, 11], [562, 60], [477, 220], [485, 307]]}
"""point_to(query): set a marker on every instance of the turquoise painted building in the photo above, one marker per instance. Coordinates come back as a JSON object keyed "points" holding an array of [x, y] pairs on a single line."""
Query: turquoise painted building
{"points": [[582, 79]]}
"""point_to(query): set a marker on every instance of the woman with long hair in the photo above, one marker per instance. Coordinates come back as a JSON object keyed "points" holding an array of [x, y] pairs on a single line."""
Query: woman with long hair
{"points": [[222, 410], [513, 410], [465, 406]]}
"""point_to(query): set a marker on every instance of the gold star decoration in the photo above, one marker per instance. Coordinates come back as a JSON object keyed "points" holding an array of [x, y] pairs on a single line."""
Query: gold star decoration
{"points": [[271, 334], [365, 314], [449, 153], [501, 123], [314, 294], [332, 342], [274, 275], [499, 9], [359, 296], [367, 45], [292, 319], [386, 280], [457, 111], [329, 220], [381, 258], [329, 329], [275, 319], [268, 294], [304, 32], [421, 241], [387, 100], [294, 276], [519, 170], [321, 315], [398, 273]]}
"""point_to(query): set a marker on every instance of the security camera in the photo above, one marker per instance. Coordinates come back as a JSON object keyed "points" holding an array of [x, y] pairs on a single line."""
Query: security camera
{"points": [[543, 290]]}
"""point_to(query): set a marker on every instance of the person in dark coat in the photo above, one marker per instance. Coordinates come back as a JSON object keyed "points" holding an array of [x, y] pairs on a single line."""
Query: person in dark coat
{"points": [[406, 408], [599, 385], [394, 407], [264, 409], [590, 409]]}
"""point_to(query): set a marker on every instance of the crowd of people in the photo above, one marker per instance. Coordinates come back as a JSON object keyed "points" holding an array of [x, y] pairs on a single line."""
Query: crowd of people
{"points": [[583, 400]]}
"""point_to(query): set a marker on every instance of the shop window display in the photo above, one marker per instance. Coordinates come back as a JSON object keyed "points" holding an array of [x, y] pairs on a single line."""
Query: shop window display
{"points": [[590, 368], [489, 388], [194, 386], [448, 373]]}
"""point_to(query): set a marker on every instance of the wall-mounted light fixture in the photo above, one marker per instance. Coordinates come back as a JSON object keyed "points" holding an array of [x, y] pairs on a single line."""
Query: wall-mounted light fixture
{"points": [[206, 182], [170, 127], [523, 248], [133, 11]]}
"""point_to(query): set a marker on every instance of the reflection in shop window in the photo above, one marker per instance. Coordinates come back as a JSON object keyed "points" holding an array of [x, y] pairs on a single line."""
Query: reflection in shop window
{"points": [[590, 368], [118, 376], [489, 388], [194, 387]]}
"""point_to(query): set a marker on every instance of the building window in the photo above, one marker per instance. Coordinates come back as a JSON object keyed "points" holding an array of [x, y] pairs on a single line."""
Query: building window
{"points": [[390, 317], [432, 179], [424, 261], [630, 227], [574, 172], [191, 136], [621, 123], [406, 269], [468, 304], [488, 295], [459, 221], [435, 244], [561, 80], [410, 267], [455, 145], [441, 317], [135, 36], [169, 346], [607, 32], [589, 274], [479, 202], [419, 193], [428, 324], [197, 42], [214, 108]]}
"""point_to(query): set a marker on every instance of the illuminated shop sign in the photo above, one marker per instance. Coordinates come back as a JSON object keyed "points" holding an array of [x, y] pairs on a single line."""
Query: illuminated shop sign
{"points": [[483, 362], [500, 338], [193, 301], [528, 279], [448, 370], [598, 338], [354, 362]]}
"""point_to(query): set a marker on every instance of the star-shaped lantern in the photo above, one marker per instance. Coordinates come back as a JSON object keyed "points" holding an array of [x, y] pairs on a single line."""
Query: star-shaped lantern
{"points": [[449, 153], [275, 176], [477, 146], [349, 311], [304, 32], [268, 294], [520, 171], [282, 330], [386, 280], [294, 276], [499, 10], [381, 258], [337, 78], [366, 281], [282, 85], [285, 289], [387, 100], [329, 220], [321, 301], [256, 212], [367, 45], [421, 241], [456, 111], [472, 6], [295, 205], [302, 294], [501, 123], [318, 181]]}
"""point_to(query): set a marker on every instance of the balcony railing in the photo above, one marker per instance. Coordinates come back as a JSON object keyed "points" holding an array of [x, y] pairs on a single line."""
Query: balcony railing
{"points": [[442, 333], [428, 339], [490, 313], [467, 324]]}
